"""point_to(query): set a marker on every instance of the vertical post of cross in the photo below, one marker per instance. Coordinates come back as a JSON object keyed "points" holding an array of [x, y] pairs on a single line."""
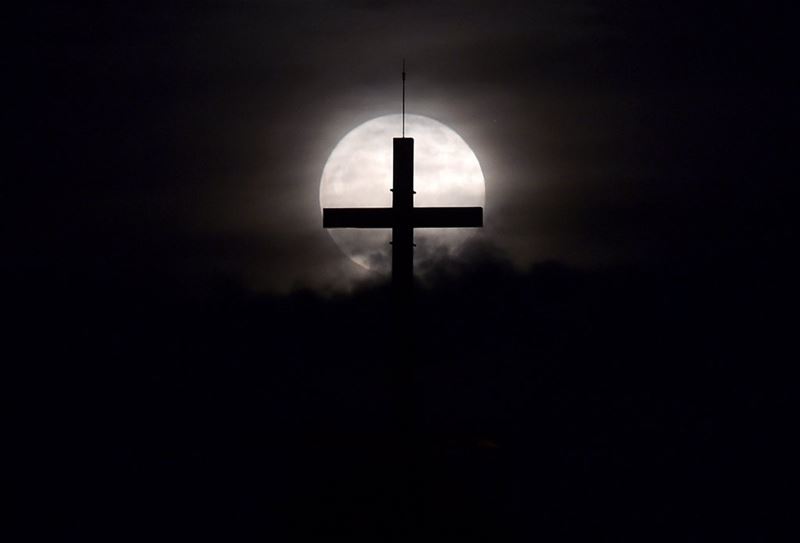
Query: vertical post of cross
{"points": [[402, 281], [402, 206]]}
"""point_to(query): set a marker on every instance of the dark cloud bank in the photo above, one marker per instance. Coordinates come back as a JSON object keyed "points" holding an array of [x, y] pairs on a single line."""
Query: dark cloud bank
{"points": [[606, 361]]}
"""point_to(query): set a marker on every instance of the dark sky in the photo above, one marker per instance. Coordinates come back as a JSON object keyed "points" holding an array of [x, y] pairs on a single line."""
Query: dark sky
{"points": [[605, 357], [188, 139]]}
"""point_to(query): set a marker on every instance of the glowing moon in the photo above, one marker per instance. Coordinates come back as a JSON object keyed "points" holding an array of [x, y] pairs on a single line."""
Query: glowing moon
{"points": [[359, 174]]}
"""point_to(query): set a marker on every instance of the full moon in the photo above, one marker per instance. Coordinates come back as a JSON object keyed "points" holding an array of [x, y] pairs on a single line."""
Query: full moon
{"points": [[359, 174]]}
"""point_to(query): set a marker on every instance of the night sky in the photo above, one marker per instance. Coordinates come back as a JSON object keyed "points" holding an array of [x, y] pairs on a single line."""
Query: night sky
{"points": [[192, 356]]}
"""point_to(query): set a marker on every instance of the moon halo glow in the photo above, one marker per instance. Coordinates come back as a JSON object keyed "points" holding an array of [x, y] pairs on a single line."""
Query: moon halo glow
{"points": [[358, 173]]}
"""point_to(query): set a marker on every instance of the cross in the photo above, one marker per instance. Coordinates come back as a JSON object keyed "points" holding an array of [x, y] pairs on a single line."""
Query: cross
{"points": [[402, 217]]}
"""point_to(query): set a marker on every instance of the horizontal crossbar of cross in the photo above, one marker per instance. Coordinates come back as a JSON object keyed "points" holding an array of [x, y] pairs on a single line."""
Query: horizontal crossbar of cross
{"points": [[387, 217]]}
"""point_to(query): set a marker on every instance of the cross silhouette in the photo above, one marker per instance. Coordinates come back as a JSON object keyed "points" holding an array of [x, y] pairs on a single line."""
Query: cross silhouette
{"points": [[402, 217]]}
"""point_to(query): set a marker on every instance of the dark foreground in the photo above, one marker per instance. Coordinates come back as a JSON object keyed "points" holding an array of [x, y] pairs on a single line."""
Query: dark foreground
{"points": [[552, 406]]}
